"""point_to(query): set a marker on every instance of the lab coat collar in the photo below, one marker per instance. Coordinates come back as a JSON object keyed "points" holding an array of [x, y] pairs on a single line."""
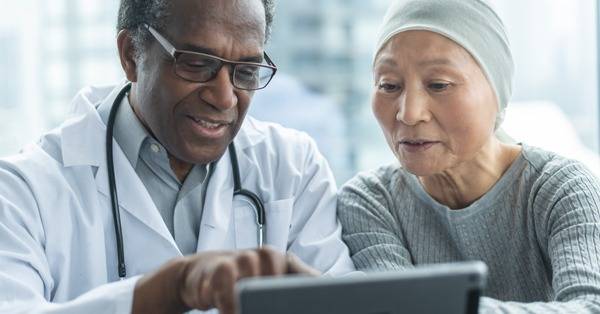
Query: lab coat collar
{"points": [[83, 144], [133, 196], [83, 134]]}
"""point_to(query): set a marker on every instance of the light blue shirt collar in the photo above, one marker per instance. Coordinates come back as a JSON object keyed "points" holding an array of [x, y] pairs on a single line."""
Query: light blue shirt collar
{"points": [[129, 131]]}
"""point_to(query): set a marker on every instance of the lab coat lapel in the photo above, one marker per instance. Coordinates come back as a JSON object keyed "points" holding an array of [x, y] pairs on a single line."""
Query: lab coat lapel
{"points": [[133, 196], [217, 212], [214, 231], [83, 143]]}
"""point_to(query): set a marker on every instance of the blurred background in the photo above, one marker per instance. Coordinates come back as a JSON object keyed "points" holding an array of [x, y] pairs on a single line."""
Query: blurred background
{"points": [[49, 49]]}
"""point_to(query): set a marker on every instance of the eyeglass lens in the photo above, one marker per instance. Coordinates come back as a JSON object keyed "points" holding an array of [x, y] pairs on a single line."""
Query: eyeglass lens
{"points": [[202, 68]]}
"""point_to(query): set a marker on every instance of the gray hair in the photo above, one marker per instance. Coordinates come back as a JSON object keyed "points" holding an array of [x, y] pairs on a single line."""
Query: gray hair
{"points": [[134, 13]]}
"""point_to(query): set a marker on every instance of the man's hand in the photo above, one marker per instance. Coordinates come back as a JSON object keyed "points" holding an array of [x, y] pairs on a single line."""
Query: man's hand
{"points": [[207, 280]]}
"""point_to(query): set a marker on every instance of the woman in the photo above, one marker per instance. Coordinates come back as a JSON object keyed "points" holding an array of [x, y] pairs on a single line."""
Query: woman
{"points": [[443, 73]]}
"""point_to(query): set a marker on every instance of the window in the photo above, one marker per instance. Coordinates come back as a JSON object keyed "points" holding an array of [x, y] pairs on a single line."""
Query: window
{"points": [[324, 50], [555, 99]]}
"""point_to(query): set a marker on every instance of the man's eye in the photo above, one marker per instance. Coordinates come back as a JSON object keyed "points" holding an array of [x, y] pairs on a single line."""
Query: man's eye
{"points": [[196, 67], [249, 72], [196, 64], [388, 87], [439, 86]]}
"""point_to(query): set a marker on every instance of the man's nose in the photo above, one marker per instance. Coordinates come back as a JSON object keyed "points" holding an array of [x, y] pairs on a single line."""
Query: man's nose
{"points": [[413, 107], [220, 92]]}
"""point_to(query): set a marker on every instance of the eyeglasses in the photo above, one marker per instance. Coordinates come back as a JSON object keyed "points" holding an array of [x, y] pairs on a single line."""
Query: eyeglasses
{"points": [[201, 67]]}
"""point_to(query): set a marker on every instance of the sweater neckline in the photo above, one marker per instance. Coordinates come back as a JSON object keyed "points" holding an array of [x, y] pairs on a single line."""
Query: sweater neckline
{"points": [[485, 201]]}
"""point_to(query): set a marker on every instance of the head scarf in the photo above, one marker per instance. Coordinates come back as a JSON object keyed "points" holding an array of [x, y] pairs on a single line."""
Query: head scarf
{"points": [[472, 24]]}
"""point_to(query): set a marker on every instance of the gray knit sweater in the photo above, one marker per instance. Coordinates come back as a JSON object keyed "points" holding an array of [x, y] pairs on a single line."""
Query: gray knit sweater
{"points": [[537, 229]]}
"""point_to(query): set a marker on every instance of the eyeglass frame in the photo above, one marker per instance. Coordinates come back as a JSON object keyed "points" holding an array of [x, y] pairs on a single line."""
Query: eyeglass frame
{"points": [[174, 53]]}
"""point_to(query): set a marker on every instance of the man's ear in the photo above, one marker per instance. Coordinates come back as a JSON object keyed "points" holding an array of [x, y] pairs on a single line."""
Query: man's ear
{"points": [[127, 55]]}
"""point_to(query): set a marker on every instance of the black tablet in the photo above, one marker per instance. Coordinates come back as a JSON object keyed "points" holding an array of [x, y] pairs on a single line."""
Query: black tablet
{"points": [[439, 288]]}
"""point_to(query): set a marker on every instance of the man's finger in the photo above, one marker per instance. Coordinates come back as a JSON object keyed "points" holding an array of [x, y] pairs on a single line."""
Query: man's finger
{"points": [[204, 297], [248, 264], [225, 302], [223, 281], [297, 266], [272, 263]]}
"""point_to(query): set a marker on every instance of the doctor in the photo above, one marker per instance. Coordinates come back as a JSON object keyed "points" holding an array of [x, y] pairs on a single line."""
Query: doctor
{"points": [[177, 237]]}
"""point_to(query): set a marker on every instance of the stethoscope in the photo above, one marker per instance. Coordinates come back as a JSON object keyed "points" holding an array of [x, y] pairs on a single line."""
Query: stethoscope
{"points": [[237, 186]]}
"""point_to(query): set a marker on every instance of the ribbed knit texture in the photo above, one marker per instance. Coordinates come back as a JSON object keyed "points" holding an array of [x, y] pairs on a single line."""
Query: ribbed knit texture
{"points": [[537, 229]]}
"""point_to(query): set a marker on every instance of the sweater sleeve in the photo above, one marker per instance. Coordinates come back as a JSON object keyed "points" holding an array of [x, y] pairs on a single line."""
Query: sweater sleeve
{"points": [[569, 229], [369, 228]]}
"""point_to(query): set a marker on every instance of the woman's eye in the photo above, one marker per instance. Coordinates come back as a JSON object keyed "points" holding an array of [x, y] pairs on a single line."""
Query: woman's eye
{"points": [[439, 86], [388, 87]]}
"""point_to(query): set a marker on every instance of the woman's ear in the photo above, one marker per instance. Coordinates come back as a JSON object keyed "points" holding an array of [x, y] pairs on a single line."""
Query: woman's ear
{"points": [[127, 55]]}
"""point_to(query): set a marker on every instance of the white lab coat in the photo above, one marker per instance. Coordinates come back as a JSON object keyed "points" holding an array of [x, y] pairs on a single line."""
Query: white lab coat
{"points": [[57, 241]]}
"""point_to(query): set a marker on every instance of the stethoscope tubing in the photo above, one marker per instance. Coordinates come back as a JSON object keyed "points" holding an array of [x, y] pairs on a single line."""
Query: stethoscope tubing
{"points": [[114, 198]]}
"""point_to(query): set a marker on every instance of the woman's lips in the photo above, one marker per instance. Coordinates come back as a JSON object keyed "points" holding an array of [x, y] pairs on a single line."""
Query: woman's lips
{"points": [[415, 146]]}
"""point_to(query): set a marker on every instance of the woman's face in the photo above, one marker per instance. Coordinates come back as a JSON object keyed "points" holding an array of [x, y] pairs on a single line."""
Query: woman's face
{"points": [[432, 101]]}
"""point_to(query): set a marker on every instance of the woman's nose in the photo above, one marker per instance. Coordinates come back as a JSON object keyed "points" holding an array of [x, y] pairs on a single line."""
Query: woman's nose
{"points": [[413, 107]]}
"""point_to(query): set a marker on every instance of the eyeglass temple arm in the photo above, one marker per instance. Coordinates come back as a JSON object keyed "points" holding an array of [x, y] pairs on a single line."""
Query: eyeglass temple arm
{"points": [[163, 41], [268, 59], [171, 50]]}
